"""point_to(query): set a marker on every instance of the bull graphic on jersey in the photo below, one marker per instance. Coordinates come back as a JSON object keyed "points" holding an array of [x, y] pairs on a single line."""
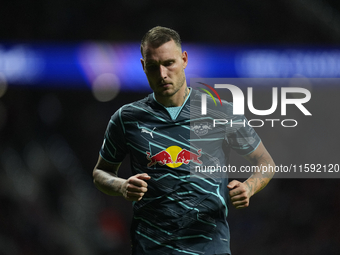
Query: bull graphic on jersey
{"points": [[173, 156], [186, 156], [161, 158]]}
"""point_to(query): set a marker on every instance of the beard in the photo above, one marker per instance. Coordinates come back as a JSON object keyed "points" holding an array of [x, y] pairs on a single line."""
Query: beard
{"points": [[174, 89]]}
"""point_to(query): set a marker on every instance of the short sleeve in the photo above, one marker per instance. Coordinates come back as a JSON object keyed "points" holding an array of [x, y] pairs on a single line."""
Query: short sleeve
{"points": [[242, 138], [114, 146]]}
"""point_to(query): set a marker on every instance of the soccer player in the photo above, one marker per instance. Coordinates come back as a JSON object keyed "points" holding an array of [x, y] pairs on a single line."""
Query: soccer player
{"points": [[174, 212]]}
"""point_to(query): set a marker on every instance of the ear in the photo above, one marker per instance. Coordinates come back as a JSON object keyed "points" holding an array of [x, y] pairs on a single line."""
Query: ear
{"points": [[142, 62], [185, 59]]}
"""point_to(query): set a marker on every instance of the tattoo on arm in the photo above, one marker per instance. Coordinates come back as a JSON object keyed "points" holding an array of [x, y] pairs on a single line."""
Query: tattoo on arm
{"points": [[106, 179], [260, 179], [109, 182], [249, 185]]}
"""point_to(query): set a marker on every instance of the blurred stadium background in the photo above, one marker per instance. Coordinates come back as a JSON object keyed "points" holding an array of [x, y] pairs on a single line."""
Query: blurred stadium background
{"points": [[66, 67]]}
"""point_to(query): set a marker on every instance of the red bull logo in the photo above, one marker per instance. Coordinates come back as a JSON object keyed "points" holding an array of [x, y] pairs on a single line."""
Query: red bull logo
{"points": [[173, 157]]}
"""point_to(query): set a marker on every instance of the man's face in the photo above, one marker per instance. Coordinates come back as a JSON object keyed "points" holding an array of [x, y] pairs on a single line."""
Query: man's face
{"points": [[164, 67]]}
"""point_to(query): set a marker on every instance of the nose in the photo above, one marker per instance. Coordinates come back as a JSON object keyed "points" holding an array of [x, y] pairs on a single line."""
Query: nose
{"points": [[163, 72]]}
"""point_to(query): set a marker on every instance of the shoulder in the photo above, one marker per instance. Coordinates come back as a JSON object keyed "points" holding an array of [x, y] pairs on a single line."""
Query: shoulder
{"points": [[131, 108], [213, 102]]}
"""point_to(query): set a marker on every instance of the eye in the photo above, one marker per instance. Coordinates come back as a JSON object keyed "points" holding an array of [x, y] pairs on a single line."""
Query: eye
{"points": [[151, 67], [169, 63]]}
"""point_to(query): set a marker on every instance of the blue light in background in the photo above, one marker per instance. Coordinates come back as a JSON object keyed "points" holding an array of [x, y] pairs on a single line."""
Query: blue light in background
{"points": [[81, 65]]}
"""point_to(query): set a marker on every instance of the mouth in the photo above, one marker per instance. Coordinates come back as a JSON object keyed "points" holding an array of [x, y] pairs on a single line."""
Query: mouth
{"points": [[165, 85]]}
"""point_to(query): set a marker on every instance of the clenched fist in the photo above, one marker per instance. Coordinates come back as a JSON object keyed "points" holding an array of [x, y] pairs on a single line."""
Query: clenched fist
{"points": [[134, 188]]}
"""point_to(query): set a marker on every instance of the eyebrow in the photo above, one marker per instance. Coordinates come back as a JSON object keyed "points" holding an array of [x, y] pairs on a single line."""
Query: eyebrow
{"points": [[151, 62]]}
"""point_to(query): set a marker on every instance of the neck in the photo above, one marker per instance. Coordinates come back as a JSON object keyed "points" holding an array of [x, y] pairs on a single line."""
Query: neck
{"points": [[177, 99]]}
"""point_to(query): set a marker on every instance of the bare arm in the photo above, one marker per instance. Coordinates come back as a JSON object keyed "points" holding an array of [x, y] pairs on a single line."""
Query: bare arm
{"points": [[240, 193], [106, 180], [257, 181]]}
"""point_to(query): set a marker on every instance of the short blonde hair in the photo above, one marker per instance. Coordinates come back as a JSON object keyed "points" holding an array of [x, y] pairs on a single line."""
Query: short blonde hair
{"points": [[157, 36]]}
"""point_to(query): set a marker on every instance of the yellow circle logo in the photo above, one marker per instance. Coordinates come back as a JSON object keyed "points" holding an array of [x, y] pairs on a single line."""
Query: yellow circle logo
{"points": [[173, 151]]}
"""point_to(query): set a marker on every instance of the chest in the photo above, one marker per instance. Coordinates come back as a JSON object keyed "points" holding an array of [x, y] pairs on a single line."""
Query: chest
{"points": [[173, 144]]}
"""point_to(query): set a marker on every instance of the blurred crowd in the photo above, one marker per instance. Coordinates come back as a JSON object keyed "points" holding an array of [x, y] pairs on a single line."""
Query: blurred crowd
{"points": [[48, 203], [245, 21]]}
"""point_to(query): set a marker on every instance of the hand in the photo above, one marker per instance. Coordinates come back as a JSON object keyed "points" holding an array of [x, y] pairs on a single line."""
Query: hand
{"points": [[239, 194], [134, 188]]}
